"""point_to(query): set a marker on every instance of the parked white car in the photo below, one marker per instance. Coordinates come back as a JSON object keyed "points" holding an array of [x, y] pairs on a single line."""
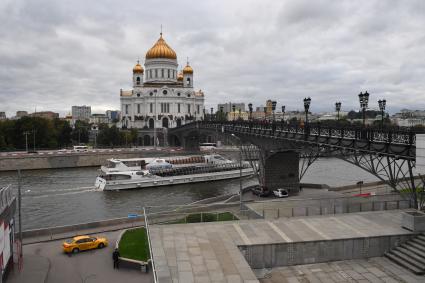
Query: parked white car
{"points": [[281, 193]]}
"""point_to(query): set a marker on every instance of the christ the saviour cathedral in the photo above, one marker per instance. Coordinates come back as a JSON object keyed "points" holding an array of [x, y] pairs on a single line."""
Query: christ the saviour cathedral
{"points": [[161, 96]]}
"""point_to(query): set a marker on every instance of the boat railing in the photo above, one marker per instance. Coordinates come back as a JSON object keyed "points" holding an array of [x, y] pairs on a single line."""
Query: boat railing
{"points": [[197, 169]]}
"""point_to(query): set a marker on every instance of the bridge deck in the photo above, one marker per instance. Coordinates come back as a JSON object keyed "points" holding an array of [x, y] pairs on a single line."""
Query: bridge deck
{"points": [[208, 252]]}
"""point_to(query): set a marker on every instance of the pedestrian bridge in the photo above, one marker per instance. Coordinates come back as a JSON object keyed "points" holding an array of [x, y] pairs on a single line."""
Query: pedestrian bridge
{"points": [[387, 153]]}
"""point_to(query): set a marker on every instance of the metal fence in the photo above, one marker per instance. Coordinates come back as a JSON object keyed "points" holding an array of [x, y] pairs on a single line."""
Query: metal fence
{"points": [[295, 208]]}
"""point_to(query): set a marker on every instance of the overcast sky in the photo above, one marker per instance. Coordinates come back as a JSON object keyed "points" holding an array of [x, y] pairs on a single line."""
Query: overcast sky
{"points": [[57, 53]]}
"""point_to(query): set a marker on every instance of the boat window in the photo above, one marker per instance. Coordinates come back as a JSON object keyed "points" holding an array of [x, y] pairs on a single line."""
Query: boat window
{"points": [[140, 173], [118, 177], [111, 165]]}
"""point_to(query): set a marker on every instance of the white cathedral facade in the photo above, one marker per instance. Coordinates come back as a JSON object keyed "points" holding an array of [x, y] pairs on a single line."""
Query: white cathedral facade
{"points": [[161, 96]]}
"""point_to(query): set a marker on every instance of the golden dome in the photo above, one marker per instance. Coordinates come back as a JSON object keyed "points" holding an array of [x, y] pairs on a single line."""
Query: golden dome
{"points": [[180, 77], [161, 50], [188, 69], [138, 68]]}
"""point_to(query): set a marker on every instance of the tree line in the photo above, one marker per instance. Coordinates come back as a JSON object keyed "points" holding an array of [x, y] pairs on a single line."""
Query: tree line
{"points": [[58, 133]]}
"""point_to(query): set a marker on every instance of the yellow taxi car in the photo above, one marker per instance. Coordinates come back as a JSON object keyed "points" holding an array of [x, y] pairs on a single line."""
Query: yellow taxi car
{"points": [[82, 243]]}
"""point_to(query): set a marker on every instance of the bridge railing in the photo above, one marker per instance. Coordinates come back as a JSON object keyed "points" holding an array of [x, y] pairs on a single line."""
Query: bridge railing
{"points": [[393, 135]]}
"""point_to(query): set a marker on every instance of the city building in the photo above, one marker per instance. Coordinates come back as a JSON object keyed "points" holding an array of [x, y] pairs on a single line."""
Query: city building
{"points": [[228, 107], [113, 115], [234, 116], [409, 118], [3, 116], [7, 229], [20, 114], [99, 119], [161, 96], [45, 114], [81, 113]]}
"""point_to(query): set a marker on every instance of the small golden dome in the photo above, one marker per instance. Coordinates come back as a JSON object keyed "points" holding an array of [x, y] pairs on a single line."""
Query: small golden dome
{"points": [[180, 77], [138, 69], [161, 50], [188, 70]]}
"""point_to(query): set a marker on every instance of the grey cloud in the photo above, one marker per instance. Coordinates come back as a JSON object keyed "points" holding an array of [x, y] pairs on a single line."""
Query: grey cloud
{"points": [[55, 54]]}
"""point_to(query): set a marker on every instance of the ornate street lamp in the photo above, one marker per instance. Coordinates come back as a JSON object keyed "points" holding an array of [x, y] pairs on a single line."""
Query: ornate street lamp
{"points": [[283, 113], [338, 108], [307, 102], [203, 110], [364, 100], [273, 108], [382, 104], [212, 110], [221, 113], [234, 108], [250, 111], [265, 113], [239, 117]]}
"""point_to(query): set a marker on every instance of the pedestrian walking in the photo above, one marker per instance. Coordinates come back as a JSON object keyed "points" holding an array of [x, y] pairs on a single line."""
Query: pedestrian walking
{"points": [[116, 258]]}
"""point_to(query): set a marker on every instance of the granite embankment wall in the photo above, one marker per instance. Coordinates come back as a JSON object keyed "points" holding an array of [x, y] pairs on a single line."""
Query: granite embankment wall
{"points": [[55, 160], [86, 159]]}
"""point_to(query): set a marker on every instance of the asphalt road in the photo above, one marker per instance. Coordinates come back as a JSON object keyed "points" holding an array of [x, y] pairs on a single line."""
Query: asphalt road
{"points": [[45, 262]]}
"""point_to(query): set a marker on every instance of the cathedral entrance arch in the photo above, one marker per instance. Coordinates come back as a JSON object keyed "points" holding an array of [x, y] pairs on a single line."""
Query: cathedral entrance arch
{"points": [[179, 122], [146, 140], [165, 123], [151, 123]]}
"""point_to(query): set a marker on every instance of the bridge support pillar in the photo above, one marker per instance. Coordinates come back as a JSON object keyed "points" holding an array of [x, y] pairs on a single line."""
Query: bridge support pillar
{"points": [[281, 170], [191, 143]]}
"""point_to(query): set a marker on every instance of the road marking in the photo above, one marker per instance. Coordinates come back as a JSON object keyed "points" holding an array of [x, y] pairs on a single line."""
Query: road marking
{"points": [[280, 232], [315, 229], [241, 233], [342, 223]]}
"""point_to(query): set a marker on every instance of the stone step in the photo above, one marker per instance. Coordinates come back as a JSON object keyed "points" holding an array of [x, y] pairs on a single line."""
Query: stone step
{"points": [[419, 240], [399, 261], [421, 237], [408, 262], [419, 243], [415, 250], [417, 258], [416, 246]]}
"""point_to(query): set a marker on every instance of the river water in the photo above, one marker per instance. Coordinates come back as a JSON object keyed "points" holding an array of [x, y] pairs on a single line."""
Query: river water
{"points": [[67, 196]]}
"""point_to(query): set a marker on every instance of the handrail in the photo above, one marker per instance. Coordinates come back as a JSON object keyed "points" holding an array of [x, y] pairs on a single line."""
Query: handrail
{"points": [[394, 135]]}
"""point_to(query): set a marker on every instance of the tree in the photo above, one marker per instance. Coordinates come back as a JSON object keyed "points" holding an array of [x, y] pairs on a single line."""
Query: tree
{"points": [[80, 134]]}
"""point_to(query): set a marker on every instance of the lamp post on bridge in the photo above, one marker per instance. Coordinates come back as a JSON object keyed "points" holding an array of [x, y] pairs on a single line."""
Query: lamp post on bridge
{"points": [[338, 108], [307, 102], [283, 113], [265, 114], [382, 104], [221, 113], [364, 100], [274, 108], [250, 111], [203, 110], [212, 110], [233, 110]]}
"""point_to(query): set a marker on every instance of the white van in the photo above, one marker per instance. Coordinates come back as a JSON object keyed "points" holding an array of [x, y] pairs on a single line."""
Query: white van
{"points": [[81, 148]]}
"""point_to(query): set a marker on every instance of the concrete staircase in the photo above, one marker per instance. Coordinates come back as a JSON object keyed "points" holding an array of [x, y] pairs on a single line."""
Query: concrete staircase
{"points": [[410, 255]]}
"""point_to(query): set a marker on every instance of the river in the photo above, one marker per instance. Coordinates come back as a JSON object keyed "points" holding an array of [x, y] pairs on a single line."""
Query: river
{"points": [[67, 196]]}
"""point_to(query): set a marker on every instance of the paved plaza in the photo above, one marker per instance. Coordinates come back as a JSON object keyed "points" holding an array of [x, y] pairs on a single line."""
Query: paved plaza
{"points": [[377, 269], [208, 252]]}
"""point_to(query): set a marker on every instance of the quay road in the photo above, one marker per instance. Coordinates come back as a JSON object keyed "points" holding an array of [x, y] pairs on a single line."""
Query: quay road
{"points": [[62, 152], [45, 262]]}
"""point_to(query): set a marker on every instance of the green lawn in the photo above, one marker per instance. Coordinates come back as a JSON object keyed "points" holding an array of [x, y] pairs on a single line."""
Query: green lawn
{"points": [[134, 244], [205, 217]]}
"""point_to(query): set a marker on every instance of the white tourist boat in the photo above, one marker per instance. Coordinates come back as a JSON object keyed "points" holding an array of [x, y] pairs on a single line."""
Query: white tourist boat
{"points": [[121, 174]]}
